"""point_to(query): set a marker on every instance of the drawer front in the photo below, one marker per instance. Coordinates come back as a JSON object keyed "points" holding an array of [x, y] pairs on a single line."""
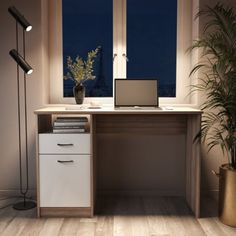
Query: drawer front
{"points": [[64, 180], [64, 143]]}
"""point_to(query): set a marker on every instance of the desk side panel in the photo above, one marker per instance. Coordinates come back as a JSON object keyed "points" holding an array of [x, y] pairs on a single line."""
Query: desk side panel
{"points": [[37, 166], [193, 164]]}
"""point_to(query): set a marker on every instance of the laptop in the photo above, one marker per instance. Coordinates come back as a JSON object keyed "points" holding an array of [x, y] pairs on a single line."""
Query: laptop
{"points": [[136, 93]]}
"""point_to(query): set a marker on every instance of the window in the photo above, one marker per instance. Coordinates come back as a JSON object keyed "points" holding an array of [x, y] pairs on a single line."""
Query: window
{"points": [[151, 42], [84, 29], [173, 70]]}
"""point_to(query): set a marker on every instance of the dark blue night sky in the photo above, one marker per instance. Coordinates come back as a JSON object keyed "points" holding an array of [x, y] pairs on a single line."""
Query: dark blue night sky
{"points": [[87, 25], [151, 42]]}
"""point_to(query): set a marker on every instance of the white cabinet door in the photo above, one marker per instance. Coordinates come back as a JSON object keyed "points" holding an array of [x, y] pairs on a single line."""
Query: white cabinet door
{"points": [[64, 143], [64, 180]]}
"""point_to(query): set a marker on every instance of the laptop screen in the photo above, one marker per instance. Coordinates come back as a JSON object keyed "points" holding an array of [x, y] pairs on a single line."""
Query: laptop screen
{"points": [[136, 92]]}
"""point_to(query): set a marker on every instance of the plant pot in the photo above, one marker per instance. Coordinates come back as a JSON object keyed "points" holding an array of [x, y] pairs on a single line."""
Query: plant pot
{"points": [[79, 93], [227, 195]]}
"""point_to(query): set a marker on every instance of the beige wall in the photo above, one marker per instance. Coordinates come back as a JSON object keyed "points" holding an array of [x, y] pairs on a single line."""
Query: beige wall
{"points": [[36, 89]]}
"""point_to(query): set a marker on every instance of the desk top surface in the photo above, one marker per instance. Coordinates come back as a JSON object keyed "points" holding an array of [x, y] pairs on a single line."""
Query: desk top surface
{"points": [[82, 109]]}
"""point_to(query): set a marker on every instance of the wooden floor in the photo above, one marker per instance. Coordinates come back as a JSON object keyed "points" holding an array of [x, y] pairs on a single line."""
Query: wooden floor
{"points": [[160, 216]]}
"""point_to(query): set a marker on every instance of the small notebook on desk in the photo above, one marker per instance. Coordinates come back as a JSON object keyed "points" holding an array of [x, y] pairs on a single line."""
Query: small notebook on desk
{"points": [[136, 94]]}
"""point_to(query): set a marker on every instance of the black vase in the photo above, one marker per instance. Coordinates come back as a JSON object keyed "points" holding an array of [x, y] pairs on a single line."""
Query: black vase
{"points": [[79, 93]]}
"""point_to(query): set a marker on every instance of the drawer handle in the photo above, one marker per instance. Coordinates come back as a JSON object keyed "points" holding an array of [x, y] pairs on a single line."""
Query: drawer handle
{"points": [[65, 144], [70, 161]]}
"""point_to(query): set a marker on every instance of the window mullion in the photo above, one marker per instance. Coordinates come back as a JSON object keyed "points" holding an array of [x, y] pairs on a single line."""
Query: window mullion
{"points": [[124, 40], [119, 38]]}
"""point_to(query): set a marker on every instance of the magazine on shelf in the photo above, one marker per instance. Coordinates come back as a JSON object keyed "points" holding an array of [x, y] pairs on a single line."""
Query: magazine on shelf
{"points": [[68, 130], [69, 127], [72, 119], [70, 124], [59, 123]]}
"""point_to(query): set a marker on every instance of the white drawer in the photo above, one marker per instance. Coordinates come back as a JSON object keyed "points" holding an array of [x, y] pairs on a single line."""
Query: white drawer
{"points": [[64, 180], [64, 143]]}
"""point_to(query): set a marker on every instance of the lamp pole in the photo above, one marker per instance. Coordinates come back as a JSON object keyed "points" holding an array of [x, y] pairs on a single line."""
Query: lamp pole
{"points": [[25, 205]]}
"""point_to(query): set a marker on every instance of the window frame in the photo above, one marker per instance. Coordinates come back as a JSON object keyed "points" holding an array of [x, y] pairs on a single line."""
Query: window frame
{"points": [[187, 30]]}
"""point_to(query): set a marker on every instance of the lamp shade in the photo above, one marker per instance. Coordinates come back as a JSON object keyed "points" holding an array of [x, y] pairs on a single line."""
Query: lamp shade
{"points": [[20, 18], [21, 61]]}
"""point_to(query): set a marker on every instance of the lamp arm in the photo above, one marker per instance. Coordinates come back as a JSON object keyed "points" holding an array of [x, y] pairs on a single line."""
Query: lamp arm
{"points": [[20, 18], [21, 61]]}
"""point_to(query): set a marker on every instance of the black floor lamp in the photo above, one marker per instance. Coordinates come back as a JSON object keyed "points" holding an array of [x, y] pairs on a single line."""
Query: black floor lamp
{"points": [[21, 62]]}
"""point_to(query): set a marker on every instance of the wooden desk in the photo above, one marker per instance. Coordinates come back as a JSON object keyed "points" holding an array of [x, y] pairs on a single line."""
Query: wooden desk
{"points": [[180, 120]]}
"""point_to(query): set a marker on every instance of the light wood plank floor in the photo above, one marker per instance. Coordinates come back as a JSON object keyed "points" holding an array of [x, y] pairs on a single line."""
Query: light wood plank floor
{"points": [[121, 216]]}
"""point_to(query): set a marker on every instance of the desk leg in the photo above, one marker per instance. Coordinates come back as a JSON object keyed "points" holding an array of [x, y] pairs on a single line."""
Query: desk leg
{"points": [[193, 164]]}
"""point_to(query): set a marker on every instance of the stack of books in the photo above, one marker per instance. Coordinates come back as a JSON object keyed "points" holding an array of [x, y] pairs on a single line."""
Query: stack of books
{"points": [[70, 125]]}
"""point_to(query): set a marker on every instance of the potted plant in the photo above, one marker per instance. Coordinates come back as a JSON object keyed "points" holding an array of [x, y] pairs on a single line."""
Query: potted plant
{"points": [[79, 71], [217, 79]]}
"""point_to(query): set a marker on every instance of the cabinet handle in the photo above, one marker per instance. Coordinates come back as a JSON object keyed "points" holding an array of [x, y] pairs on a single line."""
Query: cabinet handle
{"points": [[70, 161], [65, 144]]}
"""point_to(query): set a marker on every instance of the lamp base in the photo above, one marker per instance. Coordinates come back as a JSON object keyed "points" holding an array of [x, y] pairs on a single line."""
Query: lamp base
{"points": [[25, 205]]}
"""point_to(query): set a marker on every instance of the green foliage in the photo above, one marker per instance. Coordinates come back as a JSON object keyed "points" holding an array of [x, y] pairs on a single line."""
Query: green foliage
{"points": [[217, 78], [81, 70]]}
